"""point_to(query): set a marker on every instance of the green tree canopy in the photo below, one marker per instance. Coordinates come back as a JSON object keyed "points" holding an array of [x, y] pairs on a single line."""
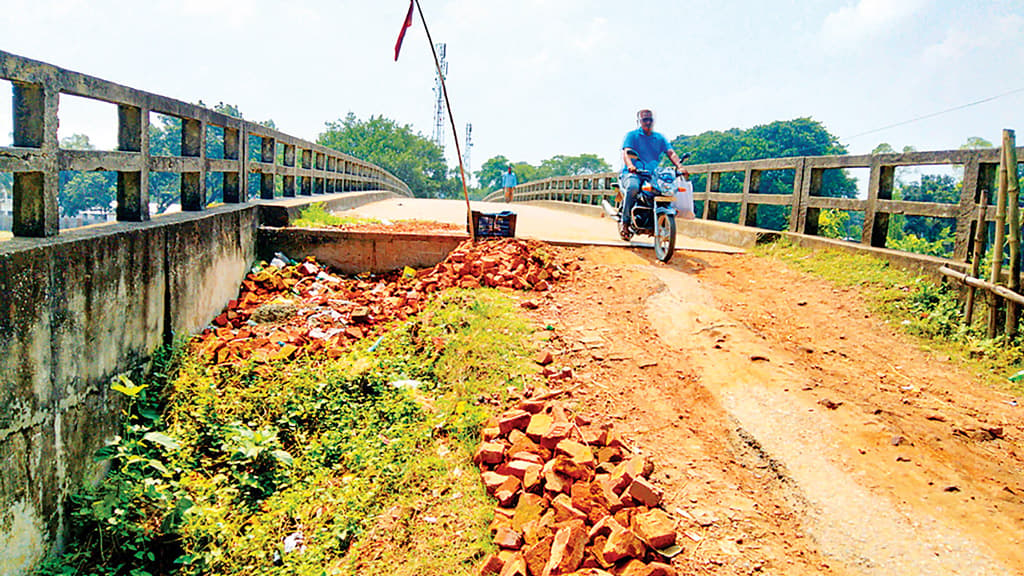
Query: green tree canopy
{"points": [[562, 165], [780, 139], [409, 155], [976, 143], [489, 174]]}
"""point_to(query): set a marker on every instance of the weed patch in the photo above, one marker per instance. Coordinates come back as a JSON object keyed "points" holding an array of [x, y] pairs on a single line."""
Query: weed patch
{"points": [[316, 216], [350, 465]]}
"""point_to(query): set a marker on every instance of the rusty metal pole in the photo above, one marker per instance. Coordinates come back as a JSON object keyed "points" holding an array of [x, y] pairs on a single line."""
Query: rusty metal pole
{"points": [[997, 246], [455, 133], [1013, 220], [980, 235]]}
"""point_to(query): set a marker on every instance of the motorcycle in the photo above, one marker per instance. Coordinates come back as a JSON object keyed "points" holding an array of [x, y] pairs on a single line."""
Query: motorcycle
{"points": [[663, 194]]}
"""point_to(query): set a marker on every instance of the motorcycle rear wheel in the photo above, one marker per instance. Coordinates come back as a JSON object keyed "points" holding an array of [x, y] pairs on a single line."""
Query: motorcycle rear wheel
{"points": [[664, 236]]}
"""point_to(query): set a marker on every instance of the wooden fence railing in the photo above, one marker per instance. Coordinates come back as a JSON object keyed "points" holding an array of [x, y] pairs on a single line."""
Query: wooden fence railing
{"points": [[806, 201], [36, 159]]}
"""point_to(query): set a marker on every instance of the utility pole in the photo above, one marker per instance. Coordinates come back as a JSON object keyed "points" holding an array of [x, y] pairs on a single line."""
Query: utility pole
{"points": [[439, 105]]}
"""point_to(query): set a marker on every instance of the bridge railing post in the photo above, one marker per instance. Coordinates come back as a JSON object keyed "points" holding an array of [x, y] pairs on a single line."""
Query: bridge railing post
{"points": [[970, 196], [880, 186], [233, 191], [331, 169], [193, 178], [35, 192], [796, 202], [133, 185], [268, 153], [288, 180], [307, 181], [712, 186], [243, 163], [810, 186], [318, 181], [748, 204]]}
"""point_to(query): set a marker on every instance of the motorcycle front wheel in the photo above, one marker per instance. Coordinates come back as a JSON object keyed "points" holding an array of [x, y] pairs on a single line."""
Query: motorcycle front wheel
{"points": [[664, 236]]}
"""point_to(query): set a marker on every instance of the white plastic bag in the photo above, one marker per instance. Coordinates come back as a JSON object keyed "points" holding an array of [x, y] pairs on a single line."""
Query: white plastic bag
{"points": [[684, 198]]}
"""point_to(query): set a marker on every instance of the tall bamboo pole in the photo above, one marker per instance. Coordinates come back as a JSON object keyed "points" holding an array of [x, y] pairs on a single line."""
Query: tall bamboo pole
{"points": [[980, 236], [997, 246], [455, 133], [1013, 219]]}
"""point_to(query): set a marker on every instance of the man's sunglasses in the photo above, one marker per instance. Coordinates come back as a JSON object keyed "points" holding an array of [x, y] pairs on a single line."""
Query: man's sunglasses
{"points": [[647, 120]]}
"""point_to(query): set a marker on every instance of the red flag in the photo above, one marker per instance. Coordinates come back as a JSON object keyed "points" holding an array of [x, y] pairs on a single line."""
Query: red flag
{"points": [[401, 33]]}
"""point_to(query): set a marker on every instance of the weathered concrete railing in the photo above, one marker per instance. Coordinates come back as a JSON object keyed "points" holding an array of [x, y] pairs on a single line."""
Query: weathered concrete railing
{"points": [[36, 159], [806, 201], [82, 307]]}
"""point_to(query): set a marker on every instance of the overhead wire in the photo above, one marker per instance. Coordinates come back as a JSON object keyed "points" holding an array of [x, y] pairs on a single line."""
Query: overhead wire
{"points": [[934, 114]]}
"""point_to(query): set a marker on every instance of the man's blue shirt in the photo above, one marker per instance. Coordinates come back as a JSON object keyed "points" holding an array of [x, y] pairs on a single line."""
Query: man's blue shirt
{"points": [[649, 148], [509, 180]]}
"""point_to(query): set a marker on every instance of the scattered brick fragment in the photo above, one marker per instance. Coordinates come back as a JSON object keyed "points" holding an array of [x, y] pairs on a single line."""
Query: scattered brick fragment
{"points": [[489, 453], [643, 492], [491, 565], [508, 538], [656, 528], [544, 358]]}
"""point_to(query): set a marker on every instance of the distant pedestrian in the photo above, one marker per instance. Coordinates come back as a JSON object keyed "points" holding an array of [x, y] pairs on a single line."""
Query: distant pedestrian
{"points": [[509, 182]]}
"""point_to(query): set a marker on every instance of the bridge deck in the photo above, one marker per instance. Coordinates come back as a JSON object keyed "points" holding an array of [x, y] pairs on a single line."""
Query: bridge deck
{"points": [[539, 222]]}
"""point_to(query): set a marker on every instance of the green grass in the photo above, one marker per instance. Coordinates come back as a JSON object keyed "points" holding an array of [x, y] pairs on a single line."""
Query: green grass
{"points": [[923, 307], [316, 216], [218, 465]]}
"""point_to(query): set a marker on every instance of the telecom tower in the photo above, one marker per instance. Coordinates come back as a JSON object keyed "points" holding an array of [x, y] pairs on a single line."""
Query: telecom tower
{"points": [[465, 155], [439, 109]]}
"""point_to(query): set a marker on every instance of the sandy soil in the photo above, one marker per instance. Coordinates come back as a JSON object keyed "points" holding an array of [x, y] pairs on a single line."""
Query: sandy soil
{"points": [[794, 432]]}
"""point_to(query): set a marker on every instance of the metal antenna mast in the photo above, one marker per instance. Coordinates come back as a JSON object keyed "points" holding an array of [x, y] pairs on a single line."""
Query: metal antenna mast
{"points": [[469, 145], [439, 106]]}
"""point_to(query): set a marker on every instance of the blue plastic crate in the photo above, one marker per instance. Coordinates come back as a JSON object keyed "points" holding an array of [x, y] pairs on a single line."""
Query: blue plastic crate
{"points": [[499, 225]]}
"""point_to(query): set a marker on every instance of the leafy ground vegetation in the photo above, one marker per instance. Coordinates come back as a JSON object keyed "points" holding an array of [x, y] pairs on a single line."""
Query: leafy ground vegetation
{"points": [[317, 216], [314, 466], [923, 307]]}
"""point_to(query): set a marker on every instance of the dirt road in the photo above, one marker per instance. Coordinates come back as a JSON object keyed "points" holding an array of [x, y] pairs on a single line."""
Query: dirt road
{"points": [[533, 221], [794, 432]]}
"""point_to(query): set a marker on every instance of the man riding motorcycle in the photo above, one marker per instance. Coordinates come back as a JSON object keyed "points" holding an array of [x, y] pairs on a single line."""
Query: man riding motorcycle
{"points": [[648, 146]]}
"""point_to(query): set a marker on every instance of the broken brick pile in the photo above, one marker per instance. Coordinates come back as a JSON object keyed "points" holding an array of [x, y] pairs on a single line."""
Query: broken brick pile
{"points": [[572, 498], [505, 263], [282, 312], [285, 311]]}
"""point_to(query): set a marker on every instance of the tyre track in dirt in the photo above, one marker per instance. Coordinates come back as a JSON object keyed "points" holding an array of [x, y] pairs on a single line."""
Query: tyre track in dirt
{"points": [[773, 412]]}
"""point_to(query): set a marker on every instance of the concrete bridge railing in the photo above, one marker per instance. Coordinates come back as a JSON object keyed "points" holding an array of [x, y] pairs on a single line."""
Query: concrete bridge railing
{"points": [[81, 307], [805, 201], [36, 159]]}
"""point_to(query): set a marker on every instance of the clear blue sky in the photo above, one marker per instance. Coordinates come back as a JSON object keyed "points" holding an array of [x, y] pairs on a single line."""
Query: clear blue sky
{"points": [[544, 77]]}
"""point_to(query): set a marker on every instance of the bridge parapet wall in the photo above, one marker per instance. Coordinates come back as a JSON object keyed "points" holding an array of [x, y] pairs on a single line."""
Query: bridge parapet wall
{"points": [[78, 310], [36, 159], [80, 307], [806, 202]]}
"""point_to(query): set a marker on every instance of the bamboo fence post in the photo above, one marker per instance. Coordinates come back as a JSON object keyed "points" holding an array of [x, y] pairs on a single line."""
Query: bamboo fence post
{"points": [[997, 245], [1013, 220], [980, 236]]}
